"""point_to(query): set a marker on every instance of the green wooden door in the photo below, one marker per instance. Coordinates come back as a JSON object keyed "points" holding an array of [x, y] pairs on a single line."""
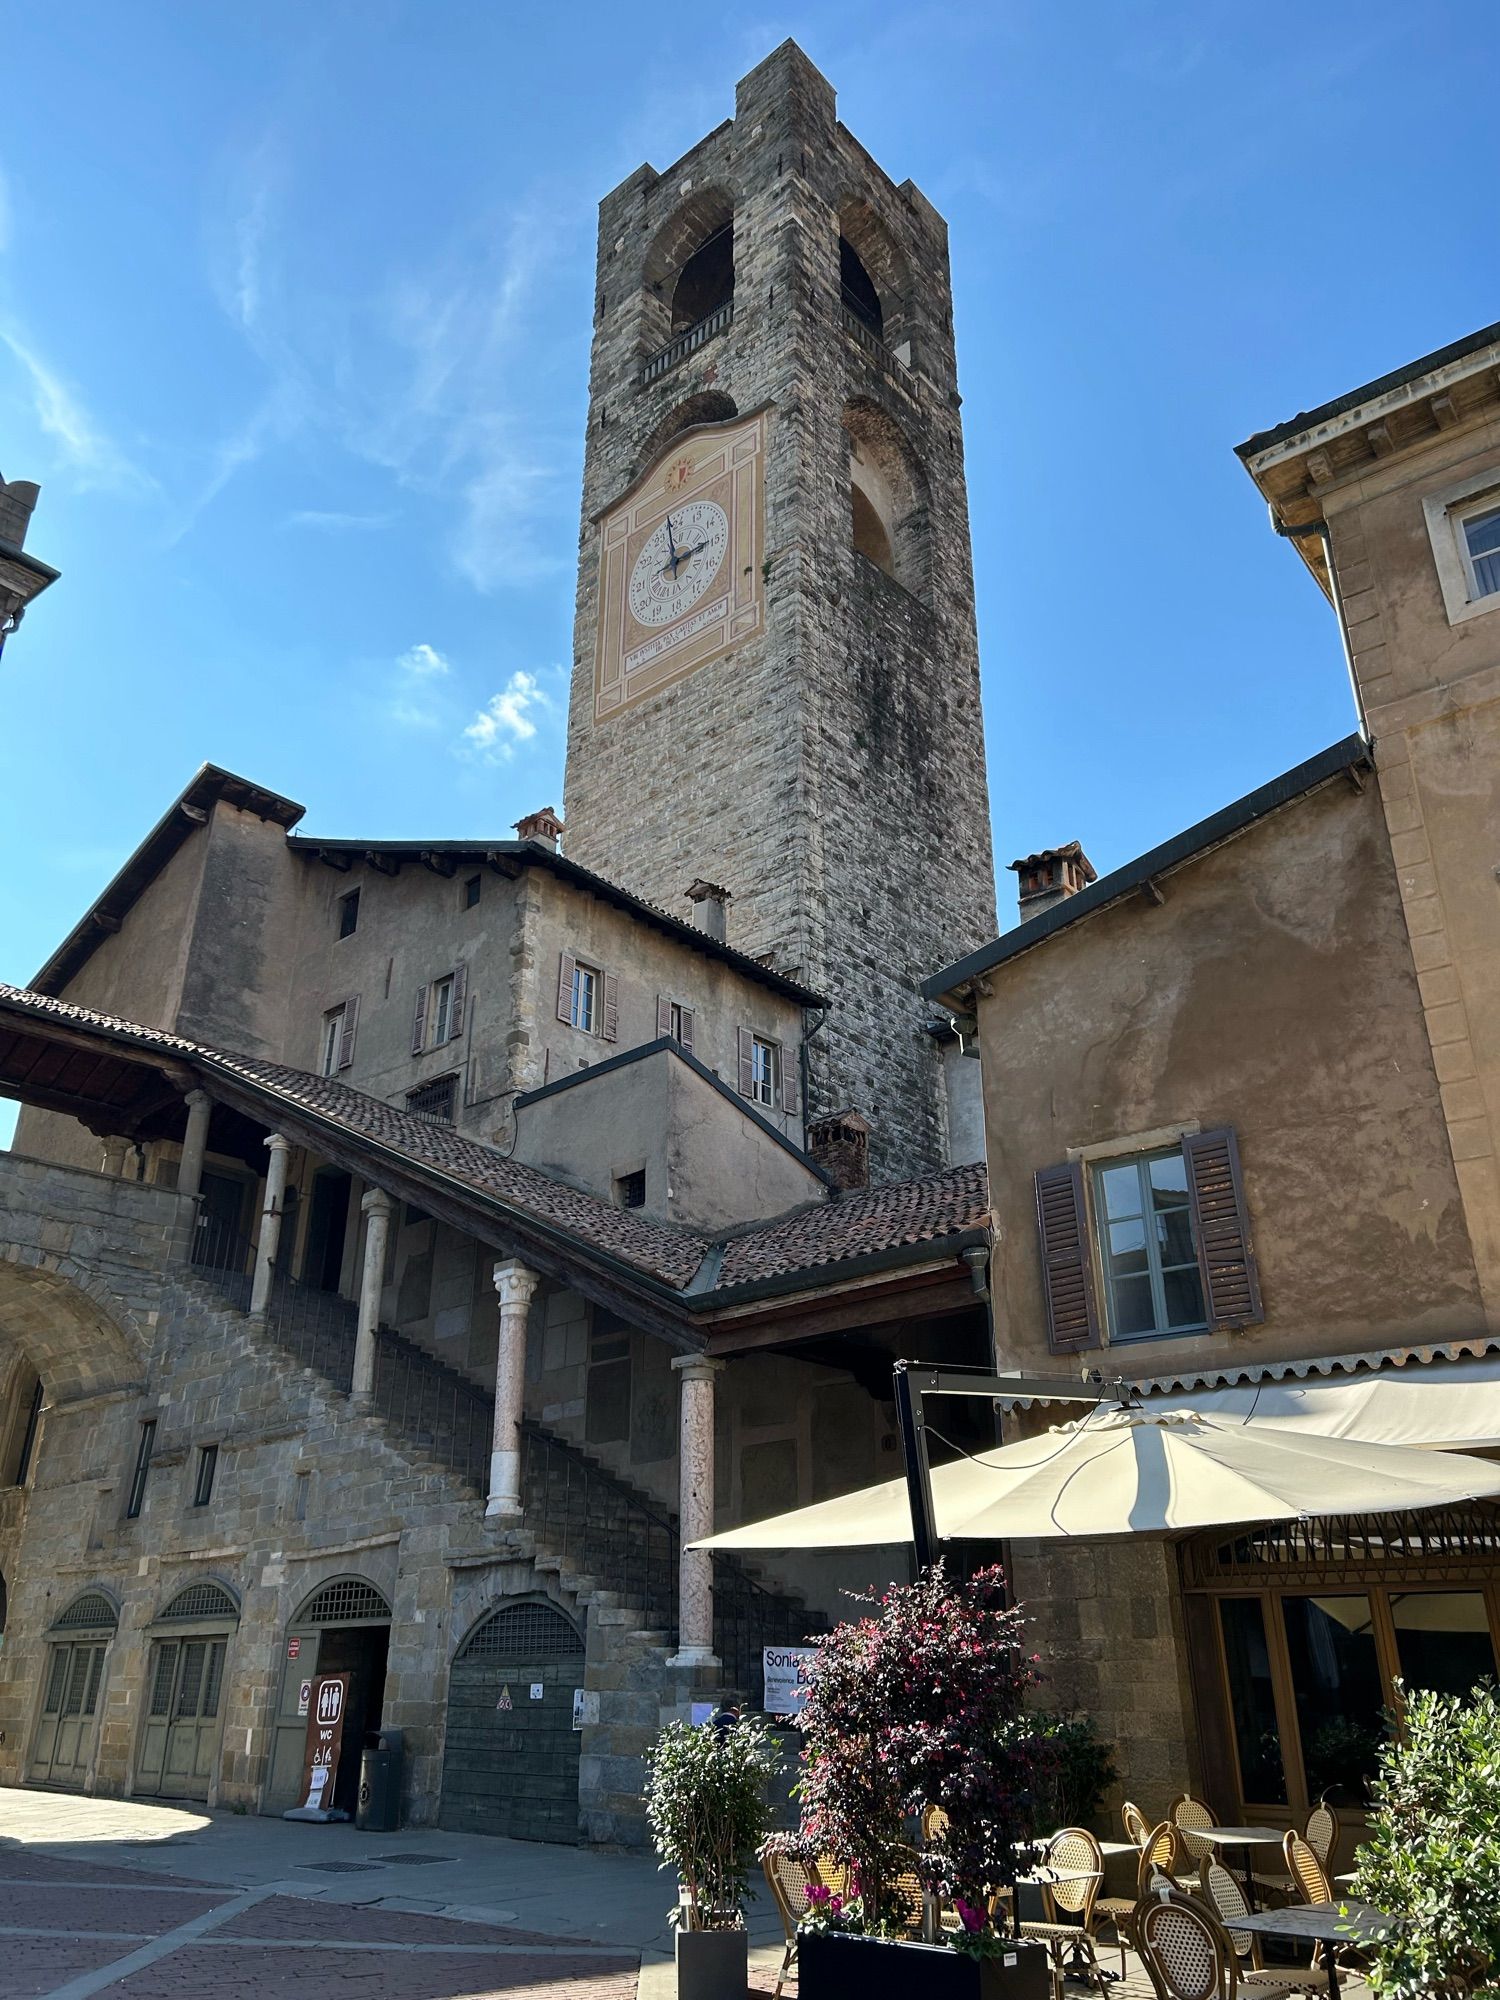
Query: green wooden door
{"points": [[180, 1736], [510, 1764], [70, 1706]]}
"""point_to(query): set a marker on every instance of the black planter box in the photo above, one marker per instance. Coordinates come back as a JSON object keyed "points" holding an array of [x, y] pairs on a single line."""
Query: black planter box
{"points": [[834, 1966]]}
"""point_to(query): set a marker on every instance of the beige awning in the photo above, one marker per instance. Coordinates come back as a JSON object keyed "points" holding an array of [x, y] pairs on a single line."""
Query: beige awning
{"points": [[1447, 1404], [1121, 1472]]}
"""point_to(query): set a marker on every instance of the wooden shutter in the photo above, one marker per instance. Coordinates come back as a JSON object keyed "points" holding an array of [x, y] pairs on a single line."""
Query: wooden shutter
{"points": [[346, 1033], [1221, 1228], [791, 1095], [687, 1029], [565, 969], [1067, 1264], [747, 1061], [663, 1014], [460, 996], [611, 1006], [419, 1022]]}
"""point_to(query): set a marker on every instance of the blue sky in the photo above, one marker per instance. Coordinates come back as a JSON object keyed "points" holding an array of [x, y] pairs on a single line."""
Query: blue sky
{"points": [[294, 322]]}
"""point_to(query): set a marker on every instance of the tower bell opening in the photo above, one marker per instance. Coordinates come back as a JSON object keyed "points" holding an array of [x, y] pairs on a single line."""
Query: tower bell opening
{"points": [[706, 281]]}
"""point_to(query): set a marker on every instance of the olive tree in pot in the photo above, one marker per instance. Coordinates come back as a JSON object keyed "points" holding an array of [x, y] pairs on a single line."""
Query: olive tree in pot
{"points": [[706, 1807], [1432, 1857], [922, 1704]]}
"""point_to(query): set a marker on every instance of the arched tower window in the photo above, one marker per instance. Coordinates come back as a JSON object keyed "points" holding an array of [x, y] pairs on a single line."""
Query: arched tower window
{"points": [[858, 287], [888, 507], [688, 273]]}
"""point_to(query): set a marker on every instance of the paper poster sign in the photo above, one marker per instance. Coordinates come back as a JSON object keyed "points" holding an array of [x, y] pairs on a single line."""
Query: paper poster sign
{"points": [[585, 1707], [304, 1698], [504, 1702], [293, 1648], [328, 1697], [785, 1694], [537, 1690], [702, 1712]]}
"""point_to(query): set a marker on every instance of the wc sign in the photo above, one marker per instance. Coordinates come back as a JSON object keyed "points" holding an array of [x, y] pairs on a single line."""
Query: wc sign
{"points": [[325, 1737]]}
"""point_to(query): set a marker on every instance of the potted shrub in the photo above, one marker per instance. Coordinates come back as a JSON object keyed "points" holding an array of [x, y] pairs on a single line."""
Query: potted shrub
{"points": [[921, 1704], [1432, 1858], [706, 1807]]}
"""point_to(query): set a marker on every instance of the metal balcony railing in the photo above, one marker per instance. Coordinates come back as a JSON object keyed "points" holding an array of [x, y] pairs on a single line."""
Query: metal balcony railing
{"points": [[857, 323], [687, 342]]}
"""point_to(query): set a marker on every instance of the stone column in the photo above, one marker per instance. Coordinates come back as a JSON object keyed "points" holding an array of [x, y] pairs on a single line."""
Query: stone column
{"points": [[270, 1221], [695, 1462], [194, 1142], [377, 1208], [516, 1284]]}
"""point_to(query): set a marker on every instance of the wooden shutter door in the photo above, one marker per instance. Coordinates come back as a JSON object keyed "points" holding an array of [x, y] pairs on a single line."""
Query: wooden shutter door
{"points": [[687, 1029], [663, 1015], [611, 1007], [460, 998], [1221, 1228], [565, 968], [1067, 1263], [346, 1033], [419, 1022], [747, 1061]]}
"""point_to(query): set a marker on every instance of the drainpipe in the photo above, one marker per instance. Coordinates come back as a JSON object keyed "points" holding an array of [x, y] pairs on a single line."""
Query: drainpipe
{"points": [[1321, 530]]}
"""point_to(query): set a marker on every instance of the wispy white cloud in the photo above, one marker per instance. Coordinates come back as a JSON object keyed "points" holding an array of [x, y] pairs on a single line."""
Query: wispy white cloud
{"points": [[507, 718], [86, 449], [424, 662]]}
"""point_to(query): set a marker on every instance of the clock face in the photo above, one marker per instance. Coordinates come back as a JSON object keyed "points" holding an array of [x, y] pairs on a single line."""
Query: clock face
{"points": [[678, 561]]}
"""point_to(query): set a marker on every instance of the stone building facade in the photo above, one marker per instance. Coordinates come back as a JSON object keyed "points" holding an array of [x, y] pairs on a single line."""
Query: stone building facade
{"points": [[776, 275], [1284, 1019]]}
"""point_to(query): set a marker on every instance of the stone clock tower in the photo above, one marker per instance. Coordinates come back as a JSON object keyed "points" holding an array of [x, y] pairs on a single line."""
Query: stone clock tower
{"points": [[776, 678]]}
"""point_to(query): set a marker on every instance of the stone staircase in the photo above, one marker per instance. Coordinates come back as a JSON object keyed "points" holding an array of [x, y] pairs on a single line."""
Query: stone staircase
{"points": [[610, 1545]]}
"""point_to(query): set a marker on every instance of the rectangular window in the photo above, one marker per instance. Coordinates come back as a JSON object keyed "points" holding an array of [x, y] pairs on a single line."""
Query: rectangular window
{"points": [[28, 1436], [1252, 1700], [1338, 1692], [142, 1466], [331, 1046], [1144, 1224], [208, 1465], [765, 1064], [630, 1189], [584, 1012], [434, 1100], [681, 1029], [440, 1011], [1479, 538], [349, 914], [472, 886]]}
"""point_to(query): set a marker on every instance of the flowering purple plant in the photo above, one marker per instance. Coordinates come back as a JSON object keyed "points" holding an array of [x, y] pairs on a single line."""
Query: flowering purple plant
{"points": [[920, 1705]]}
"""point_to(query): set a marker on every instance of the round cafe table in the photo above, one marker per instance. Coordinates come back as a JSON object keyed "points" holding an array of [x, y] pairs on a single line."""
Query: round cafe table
{"points": [[1244, 1838], [1327, 1924]]}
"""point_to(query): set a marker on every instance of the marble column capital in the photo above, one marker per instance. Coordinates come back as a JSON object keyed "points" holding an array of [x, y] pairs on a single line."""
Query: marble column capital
{"points": [[515, 1283], [375, 1201], [697, 1367]]}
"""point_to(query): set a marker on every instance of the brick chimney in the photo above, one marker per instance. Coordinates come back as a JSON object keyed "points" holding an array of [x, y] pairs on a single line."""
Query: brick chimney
{"points": [[710, 903], [543, 826], [1051, 877], [841, 1147], [17, 498]]}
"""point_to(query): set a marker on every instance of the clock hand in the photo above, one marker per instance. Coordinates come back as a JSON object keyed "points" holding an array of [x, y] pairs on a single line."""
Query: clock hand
{"points": [[672, 545]]}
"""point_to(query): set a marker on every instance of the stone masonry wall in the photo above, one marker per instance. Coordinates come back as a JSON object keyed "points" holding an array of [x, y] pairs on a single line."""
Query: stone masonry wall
{"points": [[831, 772], [92, 1291]]}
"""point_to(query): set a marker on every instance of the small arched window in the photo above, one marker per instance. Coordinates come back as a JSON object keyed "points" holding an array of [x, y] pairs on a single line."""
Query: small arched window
{"points": [[860, 295]]}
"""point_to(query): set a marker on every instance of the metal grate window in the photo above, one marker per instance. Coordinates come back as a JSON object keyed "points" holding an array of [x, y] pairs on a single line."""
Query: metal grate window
{"points": [[202, 1600], [349, 1600], [523, 1632], [161, 1682], [434, 1100], [92, 1609]]}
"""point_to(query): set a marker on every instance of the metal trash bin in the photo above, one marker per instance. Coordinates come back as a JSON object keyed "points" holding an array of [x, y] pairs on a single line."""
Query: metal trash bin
{"points": [[380, 1782]]}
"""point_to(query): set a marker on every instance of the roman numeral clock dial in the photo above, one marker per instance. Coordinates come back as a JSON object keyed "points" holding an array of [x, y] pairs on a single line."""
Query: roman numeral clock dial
{"points": [[681, 563]]}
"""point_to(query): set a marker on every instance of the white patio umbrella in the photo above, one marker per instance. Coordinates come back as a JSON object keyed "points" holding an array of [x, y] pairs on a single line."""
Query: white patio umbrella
{"points": [[1134, 1471]]}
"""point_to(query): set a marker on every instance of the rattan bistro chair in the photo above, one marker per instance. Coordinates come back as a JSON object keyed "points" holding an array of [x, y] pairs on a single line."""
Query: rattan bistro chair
{"points": [[1187, 1953], [1322, 1833], [1227, 1899], [1306, 1870], [1161, 1856], [1187, 1815], [1067, 1925], [789, 1883], [1137, 1826]]}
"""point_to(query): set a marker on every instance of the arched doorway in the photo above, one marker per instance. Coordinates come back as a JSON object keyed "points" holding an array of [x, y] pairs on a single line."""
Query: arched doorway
{"points": [[510, 1762], [344, 1627], [183, 1721], [73, 1682]]}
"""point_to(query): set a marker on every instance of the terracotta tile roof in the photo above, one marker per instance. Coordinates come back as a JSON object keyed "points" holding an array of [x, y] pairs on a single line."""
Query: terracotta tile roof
{"points": [[816, 1238], [662, 1249], [857, 1225]]}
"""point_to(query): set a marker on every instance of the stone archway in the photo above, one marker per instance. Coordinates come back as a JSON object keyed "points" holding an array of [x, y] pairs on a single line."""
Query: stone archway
{"points": [[77, 1333]]}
